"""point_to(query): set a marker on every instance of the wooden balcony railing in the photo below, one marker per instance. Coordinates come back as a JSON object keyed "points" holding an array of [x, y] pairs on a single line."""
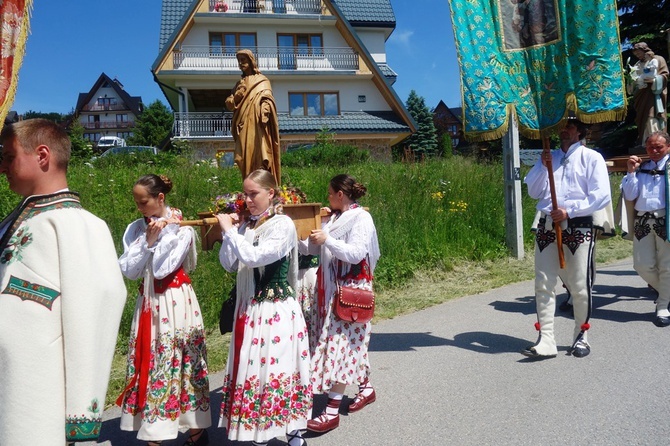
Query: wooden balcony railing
{"points": [[190, 57], [202, 125], [105, 107], [108, 125], [266, 6]]}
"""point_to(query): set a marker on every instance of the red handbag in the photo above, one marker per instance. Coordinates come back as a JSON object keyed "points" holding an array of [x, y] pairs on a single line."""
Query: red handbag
{"points": [[354, 305]]}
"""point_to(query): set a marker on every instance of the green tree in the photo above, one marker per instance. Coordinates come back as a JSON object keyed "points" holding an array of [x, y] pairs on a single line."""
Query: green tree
{"points": [[446, 145], [644, 21], [152, 126], [51, 116], [81, 148], [424, 140]]}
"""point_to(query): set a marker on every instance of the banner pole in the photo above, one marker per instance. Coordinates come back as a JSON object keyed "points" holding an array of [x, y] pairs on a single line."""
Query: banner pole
{"points": [[546, 155]]}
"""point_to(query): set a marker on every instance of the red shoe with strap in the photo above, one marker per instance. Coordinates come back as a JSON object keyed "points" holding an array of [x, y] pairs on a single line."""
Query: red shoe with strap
{"points": [[326, 422], [361, 400]]}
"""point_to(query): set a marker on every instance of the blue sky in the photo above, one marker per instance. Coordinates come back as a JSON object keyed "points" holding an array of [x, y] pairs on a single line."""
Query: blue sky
{"points": [[73, 41]]}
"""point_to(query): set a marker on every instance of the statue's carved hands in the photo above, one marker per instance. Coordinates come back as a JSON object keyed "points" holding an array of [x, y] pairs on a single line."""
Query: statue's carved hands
{"points": [[230, 103], [239, 93]]}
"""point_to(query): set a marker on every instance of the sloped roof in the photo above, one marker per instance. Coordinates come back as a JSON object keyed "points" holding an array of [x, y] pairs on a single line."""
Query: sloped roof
{"points": [[349, 122], [367, 12], [387, 71], [357, 12], [172, 13], [134, 103]]}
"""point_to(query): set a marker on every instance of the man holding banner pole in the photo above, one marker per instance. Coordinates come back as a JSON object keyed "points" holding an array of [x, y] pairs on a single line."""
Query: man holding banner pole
{"points": [[583, 207]]}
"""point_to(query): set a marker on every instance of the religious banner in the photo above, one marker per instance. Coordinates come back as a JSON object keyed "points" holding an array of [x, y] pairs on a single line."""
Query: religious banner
{"points": [[539, 59], [15, 16]]}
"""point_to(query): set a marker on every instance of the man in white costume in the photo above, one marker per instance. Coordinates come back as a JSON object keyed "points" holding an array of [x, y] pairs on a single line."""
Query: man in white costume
{"points": [[646, 184], [61, 297], [584, 207]]}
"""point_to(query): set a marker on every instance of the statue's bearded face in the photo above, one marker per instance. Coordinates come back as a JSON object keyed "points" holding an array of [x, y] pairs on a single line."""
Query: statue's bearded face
{"points": [[244, 63]]}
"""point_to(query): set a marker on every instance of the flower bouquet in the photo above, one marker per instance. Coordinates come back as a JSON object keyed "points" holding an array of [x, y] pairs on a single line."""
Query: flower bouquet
{"points": [[220, 6], [229, 204], [291, 195]]}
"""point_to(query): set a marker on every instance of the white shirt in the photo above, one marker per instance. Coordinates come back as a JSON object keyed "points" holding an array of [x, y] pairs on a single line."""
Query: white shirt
{"points": [[581, 178], [166, 256], [648, 190]]}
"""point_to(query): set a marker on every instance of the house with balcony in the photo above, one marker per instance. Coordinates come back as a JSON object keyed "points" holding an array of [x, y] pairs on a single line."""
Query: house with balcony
{"points": [[326, 60], [107, 110]]}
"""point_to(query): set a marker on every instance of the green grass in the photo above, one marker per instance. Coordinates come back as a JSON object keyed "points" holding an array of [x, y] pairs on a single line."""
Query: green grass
{"points": [[441, 228]]}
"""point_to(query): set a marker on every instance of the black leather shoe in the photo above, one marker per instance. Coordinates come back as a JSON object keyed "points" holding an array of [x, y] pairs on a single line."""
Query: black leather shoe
{"points": [[532, 353], [662, 321], [581, 350]]}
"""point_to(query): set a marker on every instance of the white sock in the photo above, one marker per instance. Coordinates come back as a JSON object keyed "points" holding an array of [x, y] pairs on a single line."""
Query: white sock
{"points": [[365, 389], [333, 407]]}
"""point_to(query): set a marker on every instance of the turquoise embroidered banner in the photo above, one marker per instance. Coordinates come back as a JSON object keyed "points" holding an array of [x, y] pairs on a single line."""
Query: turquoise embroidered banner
{"points": [[538, 58]]}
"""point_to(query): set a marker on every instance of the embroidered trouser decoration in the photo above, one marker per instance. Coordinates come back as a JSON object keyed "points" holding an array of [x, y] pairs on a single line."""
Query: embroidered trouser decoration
{"points": [[646, 222]]}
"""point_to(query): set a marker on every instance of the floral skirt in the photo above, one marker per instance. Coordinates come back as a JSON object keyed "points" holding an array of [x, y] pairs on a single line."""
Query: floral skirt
{"points": [[177, 387], [341, 354], [266, 390]]}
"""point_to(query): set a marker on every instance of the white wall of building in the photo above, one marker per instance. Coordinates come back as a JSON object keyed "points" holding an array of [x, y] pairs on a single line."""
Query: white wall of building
{"points": [[375, 43]]}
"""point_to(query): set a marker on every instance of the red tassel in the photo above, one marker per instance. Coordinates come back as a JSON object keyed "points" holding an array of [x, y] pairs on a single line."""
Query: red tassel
{"points": [[585, 326], [537, 326]]}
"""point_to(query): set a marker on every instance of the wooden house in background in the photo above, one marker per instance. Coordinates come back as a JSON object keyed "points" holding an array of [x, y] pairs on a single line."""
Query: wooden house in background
{"points": [[107, 110]]}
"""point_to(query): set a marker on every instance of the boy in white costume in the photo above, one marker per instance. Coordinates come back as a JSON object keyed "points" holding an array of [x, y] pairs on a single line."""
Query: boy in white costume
{"points": [[61, 297]]}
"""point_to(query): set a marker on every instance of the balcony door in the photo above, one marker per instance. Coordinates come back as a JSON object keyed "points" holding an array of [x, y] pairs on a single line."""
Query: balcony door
{"points": [[293, 46], [250, 6], [227, 44], [279, 6]]}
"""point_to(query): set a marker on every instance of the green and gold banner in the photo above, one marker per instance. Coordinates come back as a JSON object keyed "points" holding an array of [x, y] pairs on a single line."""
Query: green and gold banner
{"points": [[538, 58]]}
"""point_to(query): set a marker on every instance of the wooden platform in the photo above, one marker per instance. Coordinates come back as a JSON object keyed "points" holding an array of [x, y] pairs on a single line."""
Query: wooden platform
{"points": [[306, 216], [620, 163]]}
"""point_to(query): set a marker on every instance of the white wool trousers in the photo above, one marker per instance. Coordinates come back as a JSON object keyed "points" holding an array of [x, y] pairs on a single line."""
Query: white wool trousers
{"points": [[651, 258], [578, 275]]}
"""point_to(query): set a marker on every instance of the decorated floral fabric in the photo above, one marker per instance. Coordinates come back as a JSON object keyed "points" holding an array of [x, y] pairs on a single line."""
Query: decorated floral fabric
{"points": [[15, 16], [538, 58], [176, 392], [266, 390]]}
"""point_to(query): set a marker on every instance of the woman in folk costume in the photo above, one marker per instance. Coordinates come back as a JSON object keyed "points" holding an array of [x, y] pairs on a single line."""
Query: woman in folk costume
{"points": [[167, 380], [266, 389], [255, 127], [349, 251]]}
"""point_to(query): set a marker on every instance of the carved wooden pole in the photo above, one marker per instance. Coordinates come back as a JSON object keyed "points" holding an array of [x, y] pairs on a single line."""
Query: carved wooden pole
{"points": [[546, 154]]}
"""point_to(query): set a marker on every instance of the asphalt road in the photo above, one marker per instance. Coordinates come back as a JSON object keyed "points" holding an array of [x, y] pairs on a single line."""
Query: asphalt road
{"points": [[453, 375]]}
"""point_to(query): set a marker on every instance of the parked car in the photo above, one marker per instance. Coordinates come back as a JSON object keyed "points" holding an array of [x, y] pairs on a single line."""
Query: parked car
{"points": [[128, 150], [105, 142]]}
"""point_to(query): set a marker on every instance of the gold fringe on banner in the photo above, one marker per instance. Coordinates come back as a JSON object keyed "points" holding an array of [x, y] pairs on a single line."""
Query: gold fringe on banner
{"points": [[570, 107], [19, 51]]}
